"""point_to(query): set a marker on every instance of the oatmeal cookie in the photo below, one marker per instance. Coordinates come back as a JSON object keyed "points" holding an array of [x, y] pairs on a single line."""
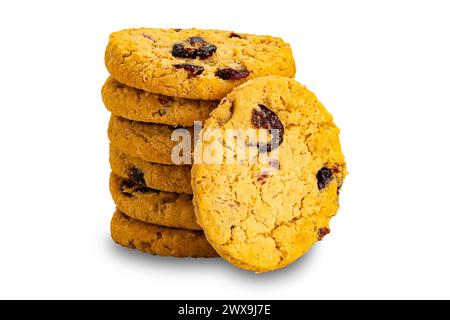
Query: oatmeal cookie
{"points": [[263, 215], [193, 63], [138, 105], [157, 240], [152, 206], [156, 176]]}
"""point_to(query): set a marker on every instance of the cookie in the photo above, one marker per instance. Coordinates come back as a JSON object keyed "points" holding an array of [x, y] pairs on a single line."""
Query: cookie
{"points": [[139, 105], [139, 202], [194, 64], [263, 215], [158, 240], [147, 141], [155, 176]]}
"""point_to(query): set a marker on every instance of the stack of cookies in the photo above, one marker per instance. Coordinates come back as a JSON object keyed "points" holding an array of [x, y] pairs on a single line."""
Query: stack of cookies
{"points": [[265, 198], [162, 80]]}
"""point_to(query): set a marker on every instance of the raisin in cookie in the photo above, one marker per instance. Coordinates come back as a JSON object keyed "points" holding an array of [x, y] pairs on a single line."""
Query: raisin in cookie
{"points": [[263, 215], [138, 201], [194, 64], [156, 176], [157, 240], [139, 105], [147, 141]]}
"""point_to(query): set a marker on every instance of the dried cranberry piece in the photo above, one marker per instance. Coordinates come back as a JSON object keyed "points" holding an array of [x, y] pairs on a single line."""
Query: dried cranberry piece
{"points": [[267, 119], [165, 100], [322, 233], [207, 51], [194, 47], [179, 51], [232, 74], [324, 176], [131, 245], [192, 70], [137, 176], [142, 189], [336, 169], [262, 179], [128, 187]]}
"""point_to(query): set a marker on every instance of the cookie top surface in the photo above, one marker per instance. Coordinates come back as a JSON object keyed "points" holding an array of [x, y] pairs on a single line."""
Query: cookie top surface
{"points": [[192, 63], [263, 215], [138, 105]]}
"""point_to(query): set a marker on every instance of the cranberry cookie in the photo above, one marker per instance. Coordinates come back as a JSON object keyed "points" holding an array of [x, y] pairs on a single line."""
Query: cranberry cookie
{"points": [[194, 64], [139, 105], [156, 176], [264, 215], [157, 240], [147, 141], [152, 206]]}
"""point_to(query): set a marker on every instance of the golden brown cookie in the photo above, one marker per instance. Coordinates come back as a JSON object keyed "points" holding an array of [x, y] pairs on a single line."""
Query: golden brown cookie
{"points": [[138, 105], [192, 63], [155, 176], [151, 206], [264, 215], [158, 240], [146, 141]]}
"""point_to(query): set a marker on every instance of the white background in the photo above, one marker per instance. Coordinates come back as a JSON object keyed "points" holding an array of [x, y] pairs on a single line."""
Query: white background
{"points": [[381, 67]]}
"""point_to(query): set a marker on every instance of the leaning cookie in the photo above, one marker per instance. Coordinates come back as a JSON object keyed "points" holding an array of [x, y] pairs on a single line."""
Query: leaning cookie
{"points": [[147, 141], [155, 176], [194, 64], [134, 104], [157, 240], [264, 215], [173, 210]]}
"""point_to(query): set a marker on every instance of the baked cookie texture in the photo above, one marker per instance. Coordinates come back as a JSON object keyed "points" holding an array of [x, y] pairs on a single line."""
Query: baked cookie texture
{"points": [[138, 105], [262, 217], [155, 176], [147, 141], [157, 240], [152, 206], [192, 63]]}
